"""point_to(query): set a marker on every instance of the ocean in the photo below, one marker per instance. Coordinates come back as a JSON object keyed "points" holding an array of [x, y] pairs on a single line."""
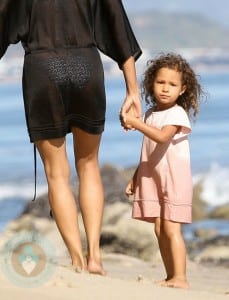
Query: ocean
{"points": [[209, 144]]}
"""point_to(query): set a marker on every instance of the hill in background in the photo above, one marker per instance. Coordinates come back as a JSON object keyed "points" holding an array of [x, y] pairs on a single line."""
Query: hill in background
{"points": [[157, 30], [212, 9]]}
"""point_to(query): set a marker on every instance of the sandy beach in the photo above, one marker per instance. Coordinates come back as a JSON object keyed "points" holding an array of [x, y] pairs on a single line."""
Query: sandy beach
{"points": [[128, 278]]}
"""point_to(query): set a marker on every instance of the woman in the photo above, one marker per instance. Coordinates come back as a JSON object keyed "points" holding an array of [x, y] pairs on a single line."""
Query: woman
{"points": [[63, 89]]}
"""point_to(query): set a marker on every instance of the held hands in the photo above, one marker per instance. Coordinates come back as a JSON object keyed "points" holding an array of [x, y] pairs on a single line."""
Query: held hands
{"points": [[126, 120], [131, 109]]}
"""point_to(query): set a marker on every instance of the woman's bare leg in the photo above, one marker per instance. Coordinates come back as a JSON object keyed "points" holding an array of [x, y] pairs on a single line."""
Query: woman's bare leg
{"points": [[91, 195], [62, 202], [178, 254]]}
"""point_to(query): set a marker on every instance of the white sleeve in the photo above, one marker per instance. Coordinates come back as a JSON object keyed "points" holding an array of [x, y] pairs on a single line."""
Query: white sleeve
{"points": [[178, 117]]}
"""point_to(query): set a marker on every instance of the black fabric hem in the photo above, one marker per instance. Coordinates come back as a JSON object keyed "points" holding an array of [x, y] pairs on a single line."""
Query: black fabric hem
{"points": [[61, 130]]}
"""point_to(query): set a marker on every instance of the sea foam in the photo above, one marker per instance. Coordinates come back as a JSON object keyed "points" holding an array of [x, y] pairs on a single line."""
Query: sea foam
{"points": [[215, 185]]}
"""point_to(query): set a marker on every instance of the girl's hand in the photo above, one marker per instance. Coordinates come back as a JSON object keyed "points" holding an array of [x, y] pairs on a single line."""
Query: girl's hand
{"points": [[125, 121], [129, 188]]}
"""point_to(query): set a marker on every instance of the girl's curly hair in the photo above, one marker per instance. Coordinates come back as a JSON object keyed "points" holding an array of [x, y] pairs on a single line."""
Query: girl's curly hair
{"points": [[190, 99]]}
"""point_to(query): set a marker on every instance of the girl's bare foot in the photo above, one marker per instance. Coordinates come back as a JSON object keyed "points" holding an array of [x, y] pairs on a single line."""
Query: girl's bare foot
{"points": [[176, 283]]}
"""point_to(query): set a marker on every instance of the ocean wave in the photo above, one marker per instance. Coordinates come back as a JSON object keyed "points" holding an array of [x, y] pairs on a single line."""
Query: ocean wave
{"points": [[18, 190], [215, 185]]}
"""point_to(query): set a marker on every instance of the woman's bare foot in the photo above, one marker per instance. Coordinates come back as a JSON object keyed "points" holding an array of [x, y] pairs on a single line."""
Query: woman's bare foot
{"points": [[79, 269], [79, 266], [176, 283], [94, 267]]}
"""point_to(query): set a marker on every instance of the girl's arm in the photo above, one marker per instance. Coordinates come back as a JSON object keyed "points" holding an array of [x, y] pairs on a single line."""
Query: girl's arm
{"points": [[131, 184], [132, 103], [161, 136]]}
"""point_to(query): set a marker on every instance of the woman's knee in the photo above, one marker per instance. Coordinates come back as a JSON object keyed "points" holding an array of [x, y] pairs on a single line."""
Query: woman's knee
{"points": [[58, 171], [86, 148], [54, 158]]}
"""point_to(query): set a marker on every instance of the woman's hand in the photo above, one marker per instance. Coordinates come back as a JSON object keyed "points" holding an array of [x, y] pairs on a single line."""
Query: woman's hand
{"points": [[132, 103]]}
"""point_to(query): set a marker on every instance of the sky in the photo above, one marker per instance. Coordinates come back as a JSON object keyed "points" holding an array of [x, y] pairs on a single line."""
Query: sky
{"points": [[214, 9]]}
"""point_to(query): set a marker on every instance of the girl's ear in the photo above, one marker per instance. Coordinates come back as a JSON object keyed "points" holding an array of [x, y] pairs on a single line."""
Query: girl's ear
{"points": [[183, 90]]}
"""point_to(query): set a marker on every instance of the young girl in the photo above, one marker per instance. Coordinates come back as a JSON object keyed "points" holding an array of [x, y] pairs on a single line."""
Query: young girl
{"points": [[162, 183]]}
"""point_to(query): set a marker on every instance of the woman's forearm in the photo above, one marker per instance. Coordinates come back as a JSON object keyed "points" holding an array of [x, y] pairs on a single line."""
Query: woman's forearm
{"points": [[129, 73], [132, 103]]}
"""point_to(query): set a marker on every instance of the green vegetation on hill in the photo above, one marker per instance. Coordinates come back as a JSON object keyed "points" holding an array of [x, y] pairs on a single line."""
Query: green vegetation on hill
{"points": [[165, 31]]}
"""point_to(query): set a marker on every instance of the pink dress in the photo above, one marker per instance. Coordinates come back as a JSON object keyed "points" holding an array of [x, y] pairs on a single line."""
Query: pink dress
{"points": [[163, 185]]}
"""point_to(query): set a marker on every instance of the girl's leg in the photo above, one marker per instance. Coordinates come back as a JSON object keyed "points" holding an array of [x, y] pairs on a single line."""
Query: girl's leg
{"points": [[164, 247], [62, 202], [91, 196], [178, 254]]}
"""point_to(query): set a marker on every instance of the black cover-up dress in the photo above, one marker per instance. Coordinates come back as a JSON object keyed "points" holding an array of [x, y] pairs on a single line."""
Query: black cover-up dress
{"points": [[63, 80]]}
